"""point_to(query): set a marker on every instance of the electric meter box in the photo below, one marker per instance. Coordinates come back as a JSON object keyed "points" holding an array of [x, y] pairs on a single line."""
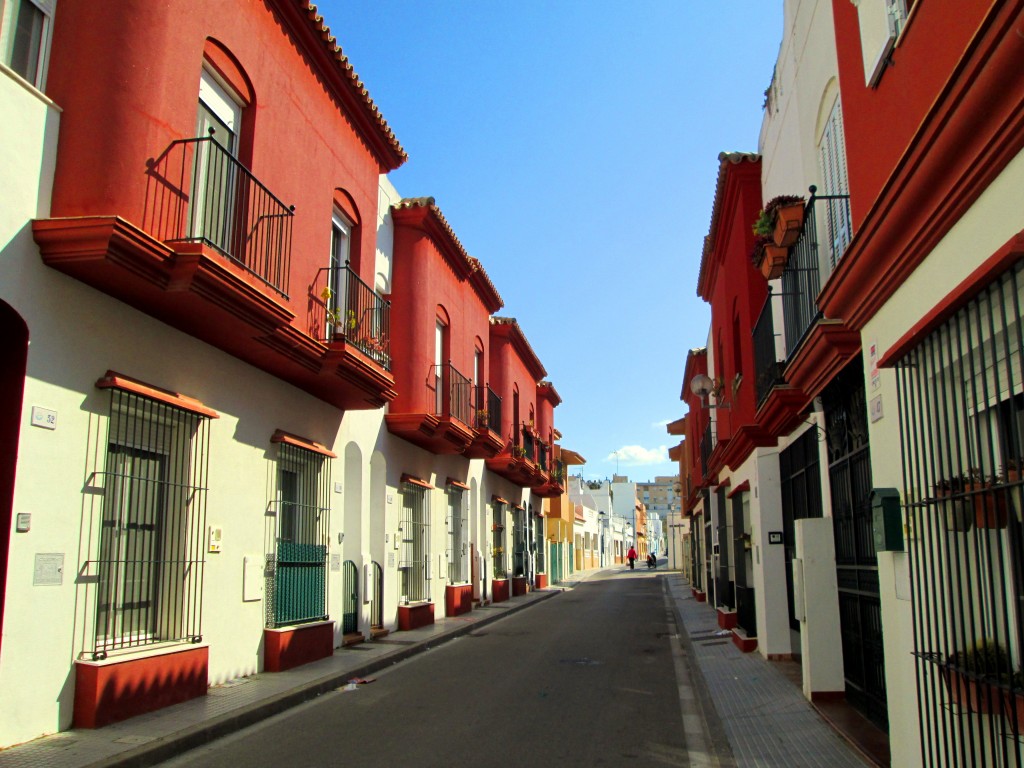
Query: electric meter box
{"points": [[887, 520]]}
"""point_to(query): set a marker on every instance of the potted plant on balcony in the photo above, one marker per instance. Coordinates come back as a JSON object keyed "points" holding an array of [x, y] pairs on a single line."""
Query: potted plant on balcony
{"points": [[518, 451], [988, 498], [482, 417], [787, 216], [957, 515], [972, 676], [769, 258]]}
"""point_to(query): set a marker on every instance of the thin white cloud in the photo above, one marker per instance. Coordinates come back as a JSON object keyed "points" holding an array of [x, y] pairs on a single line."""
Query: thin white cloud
{"points": [[661, 424], [637, 455]]}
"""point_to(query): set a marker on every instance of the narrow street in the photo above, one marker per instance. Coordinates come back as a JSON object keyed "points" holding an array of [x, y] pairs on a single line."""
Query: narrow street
{"points": [[586, 678]]}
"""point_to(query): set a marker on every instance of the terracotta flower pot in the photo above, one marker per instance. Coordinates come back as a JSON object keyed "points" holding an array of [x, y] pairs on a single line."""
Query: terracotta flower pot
{"points": [[974, 695], [957, 515], [989, 507], [789, 223], [773, 261]]}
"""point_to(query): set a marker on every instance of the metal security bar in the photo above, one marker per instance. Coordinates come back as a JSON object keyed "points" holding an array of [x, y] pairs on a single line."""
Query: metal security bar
{"points": [[199, 192], [767, 367], [414, 528], [453, 396], [961, 404], [498, 540], [297, 576], [458, 524], [342, 306], [149, 568]]}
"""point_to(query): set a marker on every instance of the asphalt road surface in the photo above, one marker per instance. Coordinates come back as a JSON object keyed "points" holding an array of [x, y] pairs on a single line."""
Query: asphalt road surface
{"points": [[583, 679]]}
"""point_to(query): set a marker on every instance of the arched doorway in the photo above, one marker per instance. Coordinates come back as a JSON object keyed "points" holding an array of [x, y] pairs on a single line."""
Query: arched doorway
{"points": [[13, 360]]}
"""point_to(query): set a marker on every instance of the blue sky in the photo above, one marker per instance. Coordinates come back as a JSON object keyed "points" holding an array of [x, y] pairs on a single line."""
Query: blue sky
{"points": [[573, 147]]}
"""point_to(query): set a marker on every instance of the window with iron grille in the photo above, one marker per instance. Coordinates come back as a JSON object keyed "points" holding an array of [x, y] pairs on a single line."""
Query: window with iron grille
{"points": [[150, 561], [961, 401], [297, 586], [414, 529], [498, 539], [457, 525]]}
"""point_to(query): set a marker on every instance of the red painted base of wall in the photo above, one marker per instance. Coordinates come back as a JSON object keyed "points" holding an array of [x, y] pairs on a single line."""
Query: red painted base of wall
{"points": [[109, 692], [293, 647], [726, 619], [458, 599], [743, 642], [700, 597], [415, 616], [542, 581], [499, 590], [518, 586]]}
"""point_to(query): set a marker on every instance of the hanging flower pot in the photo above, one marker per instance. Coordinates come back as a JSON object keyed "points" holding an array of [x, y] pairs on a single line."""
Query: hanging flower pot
{"points": [[789, 223], [773, 261], [957, 514], [989, 506]]}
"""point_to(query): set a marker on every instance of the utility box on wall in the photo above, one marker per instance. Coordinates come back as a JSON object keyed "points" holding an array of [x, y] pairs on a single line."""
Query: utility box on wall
{"points": [[887, 520]]}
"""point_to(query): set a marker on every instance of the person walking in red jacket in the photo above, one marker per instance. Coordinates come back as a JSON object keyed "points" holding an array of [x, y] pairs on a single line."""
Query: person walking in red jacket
{"points": [[631, 556]]}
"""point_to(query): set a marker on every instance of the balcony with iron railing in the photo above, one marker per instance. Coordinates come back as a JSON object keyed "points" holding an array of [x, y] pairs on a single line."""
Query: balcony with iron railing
{"points": [[706, 447], [767, 366], [445, 423], [487, 442], [212, 259], [453, 394], [344, 309], [802, 278], [227, 208]]}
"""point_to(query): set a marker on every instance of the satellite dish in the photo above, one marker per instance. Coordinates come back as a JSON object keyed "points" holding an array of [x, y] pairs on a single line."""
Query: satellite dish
{"points": [[701, 385]]}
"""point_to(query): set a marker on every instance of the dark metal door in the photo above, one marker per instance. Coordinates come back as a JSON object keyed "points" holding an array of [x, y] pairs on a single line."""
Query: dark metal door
{"points": [[725, 585], [801, 498], [350, 611], [860, 607], [745, 613], [376, 587], [709, 581]]}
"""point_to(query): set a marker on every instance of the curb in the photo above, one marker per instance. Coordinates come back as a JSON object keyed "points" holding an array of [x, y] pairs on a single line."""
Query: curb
{"points": [[164, 748]]}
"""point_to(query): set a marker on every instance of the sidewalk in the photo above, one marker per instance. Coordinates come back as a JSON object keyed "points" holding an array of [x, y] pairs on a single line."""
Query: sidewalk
{"points": [[157, 736], [750, 704]]}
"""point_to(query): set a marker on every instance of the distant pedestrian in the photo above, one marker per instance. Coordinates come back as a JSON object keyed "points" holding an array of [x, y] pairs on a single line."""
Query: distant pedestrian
{"points": [[631, 556]]}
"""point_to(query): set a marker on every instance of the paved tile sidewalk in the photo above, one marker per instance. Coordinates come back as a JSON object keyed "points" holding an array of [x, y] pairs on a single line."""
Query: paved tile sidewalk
{"points": [[151, 738], [765, 718]]}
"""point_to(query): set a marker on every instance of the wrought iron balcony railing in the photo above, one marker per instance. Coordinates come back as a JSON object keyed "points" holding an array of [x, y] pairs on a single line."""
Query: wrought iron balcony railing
{"points": [[768, 369], [342, 306], [542, 455], [199, 192], [453, 394], [529, 446], [706, 446], [801, 281], [488, 409]]}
